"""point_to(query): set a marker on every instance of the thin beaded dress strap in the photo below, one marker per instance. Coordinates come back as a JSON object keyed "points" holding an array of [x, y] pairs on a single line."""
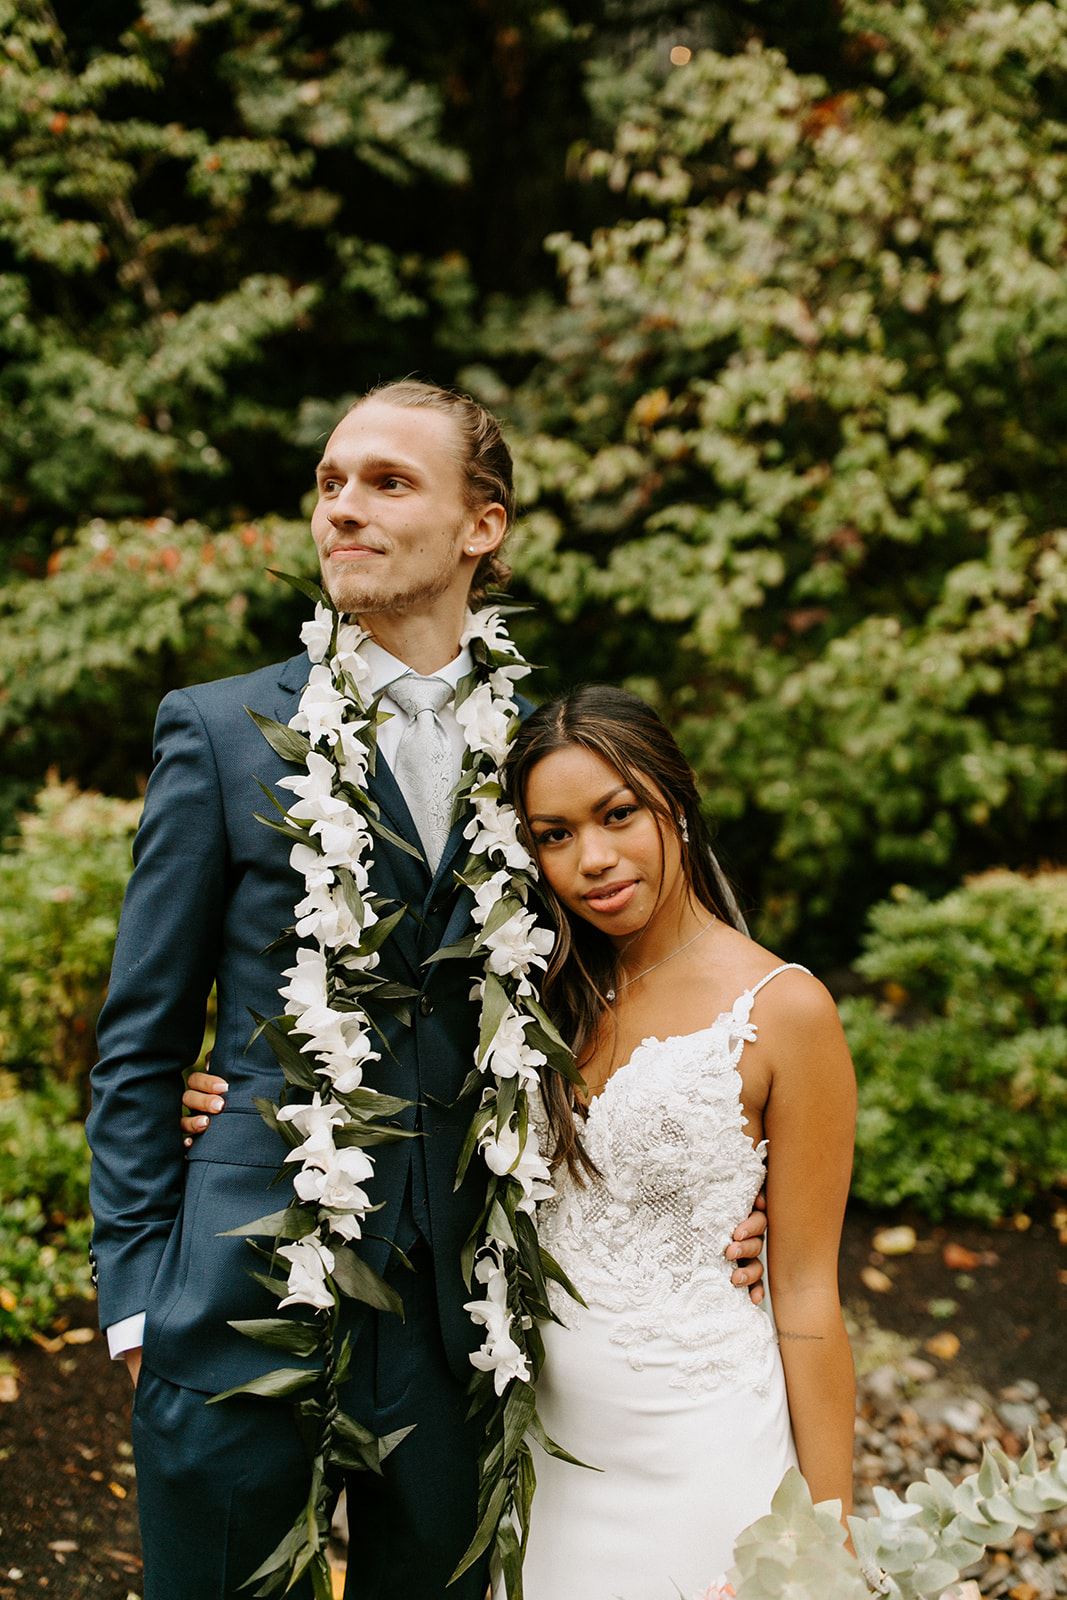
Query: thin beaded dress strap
{"points": [[787, 966]]}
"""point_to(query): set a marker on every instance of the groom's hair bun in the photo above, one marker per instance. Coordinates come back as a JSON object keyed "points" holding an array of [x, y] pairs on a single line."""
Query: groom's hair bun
{"points": [[486, 459]]}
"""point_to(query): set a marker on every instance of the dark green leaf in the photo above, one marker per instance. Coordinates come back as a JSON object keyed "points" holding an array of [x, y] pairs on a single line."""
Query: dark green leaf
{"points": [[536, 1430], [272, 1385], [297, 1338], [470, 1143], [295, 1222], [375, 936], [306, 586], [359, 1282], [453, 952], [362, 1102], [486, 1530], [285, 742], [499, 1226], [518, 1409], [507, 1549], [495, 1003], [394, 839]]}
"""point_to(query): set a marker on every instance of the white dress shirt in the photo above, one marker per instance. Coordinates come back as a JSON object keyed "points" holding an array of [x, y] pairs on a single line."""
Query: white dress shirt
{"points": [[385, 669]]}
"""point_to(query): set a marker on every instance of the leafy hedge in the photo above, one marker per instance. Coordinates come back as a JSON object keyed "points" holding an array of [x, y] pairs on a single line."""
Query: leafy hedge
{"points": [[61, 888], [44, 1206], [963, 1065]]}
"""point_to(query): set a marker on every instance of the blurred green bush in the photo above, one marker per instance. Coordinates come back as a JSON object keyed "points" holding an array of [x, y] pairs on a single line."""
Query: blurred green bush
{"points": [[44, 1205], [962, 1066], [61, 885], [792, 456]]}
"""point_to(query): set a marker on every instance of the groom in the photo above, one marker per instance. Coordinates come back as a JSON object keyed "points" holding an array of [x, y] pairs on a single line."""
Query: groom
{"points": [[414, 500]]}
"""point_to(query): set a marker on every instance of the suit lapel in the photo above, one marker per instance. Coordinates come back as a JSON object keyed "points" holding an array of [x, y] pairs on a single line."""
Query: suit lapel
{"points": [[291, 679]]}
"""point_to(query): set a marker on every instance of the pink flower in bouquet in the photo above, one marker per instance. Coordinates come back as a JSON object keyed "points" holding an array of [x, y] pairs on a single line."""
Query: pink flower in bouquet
{"points": [[718, 1591]]}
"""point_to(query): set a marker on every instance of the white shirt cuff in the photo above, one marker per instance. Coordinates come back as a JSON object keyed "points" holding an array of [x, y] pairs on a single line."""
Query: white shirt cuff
{"points": [[126, 1335]]}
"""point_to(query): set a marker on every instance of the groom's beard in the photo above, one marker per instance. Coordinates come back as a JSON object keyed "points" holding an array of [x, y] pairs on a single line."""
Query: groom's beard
{"points": [[362, 593]]}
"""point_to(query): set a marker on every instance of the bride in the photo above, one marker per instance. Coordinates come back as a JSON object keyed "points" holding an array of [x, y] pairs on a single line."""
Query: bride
{"points": [[711, 1069]]}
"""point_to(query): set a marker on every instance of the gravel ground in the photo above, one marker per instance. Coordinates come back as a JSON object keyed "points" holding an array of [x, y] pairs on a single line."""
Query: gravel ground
{"points": [[911, 1418], [950, 1352]]}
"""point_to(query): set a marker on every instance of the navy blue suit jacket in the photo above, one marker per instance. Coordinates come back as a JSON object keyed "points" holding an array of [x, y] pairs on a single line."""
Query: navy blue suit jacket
{"points": [[210, 890]]}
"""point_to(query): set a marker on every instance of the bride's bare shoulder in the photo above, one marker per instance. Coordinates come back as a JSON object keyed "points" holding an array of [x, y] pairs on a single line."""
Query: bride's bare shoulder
{"points": [[795, 992]]}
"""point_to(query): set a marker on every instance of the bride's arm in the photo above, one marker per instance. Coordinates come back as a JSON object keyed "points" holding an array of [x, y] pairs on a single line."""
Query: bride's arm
{"points": [[809, 1123]]}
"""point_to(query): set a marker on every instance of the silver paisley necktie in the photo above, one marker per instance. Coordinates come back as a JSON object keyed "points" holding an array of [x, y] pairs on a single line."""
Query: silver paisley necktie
{"points": [[424, 764]]}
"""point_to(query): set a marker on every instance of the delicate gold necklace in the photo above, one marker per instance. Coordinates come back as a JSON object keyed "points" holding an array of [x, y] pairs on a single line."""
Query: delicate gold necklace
{"points": [[662, 962]]}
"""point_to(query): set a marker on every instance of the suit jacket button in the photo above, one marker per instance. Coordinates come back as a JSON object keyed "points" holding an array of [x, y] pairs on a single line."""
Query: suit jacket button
{"points": [[425, 1006]]}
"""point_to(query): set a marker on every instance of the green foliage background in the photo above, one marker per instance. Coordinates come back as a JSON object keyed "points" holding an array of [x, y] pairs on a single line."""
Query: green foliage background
{"points": [[787, 396]]}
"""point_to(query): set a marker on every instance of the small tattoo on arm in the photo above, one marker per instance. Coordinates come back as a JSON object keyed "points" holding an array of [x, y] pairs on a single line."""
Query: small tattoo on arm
{"points": [[805, 1337]]}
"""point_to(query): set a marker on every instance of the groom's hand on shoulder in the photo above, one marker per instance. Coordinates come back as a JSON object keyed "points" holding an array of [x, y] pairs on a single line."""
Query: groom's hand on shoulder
{"points": [[202, 1100], [745, 1247]]}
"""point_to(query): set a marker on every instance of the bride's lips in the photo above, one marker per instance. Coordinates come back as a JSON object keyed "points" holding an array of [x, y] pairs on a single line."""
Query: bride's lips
{"points": [[611, 896]]}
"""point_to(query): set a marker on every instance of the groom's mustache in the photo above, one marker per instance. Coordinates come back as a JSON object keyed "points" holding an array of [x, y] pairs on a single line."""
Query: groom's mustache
{"points": [[351, 542]]}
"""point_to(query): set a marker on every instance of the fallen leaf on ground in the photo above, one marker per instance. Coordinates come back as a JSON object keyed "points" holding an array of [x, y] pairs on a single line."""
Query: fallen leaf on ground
{"points": [[944, 1345], [63, 1547], [958, 1258], [53, 1346], [895, 1241], [79, 1336], [876, 1281], [117, 1490], [9, 1388], [942, 1308], [125, 1557]]}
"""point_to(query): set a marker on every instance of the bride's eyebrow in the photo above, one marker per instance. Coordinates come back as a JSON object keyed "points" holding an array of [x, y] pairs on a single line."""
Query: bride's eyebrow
{"points": [[598, 805]]}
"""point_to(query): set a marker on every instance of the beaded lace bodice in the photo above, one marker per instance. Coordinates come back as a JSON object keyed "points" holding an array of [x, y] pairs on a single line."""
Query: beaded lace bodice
{"points": [[644, 1241]]}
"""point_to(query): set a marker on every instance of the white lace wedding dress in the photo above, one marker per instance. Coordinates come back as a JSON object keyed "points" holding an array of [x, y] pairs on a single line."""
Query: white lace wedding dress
{"points": [[670, 1380]]}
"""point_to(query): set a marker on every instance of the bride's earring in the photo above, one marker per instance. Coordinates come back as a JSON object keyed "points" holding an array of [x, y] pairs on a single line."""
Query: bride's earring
{"points": [[683, 829]]}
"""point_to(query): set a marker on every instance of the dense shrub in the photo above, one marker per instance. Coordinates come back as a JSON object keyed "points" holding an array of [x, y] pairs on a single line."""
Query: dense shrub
{"points": [[963, 1064], [61, 889], [44, 1203], [792, 457]]}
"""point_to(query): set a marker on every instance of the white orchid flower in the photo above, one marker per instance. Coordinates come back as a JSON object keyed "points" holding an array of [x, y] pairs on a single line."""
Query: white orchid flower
{"points": [[311, 1262], [317, 632], [527, 1166], [485, 721]]}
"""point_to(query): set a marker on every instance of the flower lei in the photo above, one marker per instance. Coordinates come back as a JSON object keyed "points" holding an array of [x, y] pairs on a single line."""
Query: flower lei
{"points": [[330, 1117]]}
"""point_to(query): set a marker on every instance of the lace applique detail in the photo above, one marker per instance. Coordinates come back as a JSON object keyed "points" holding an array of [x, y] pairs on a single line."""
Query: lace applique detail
{"points": [[645, 1240]]}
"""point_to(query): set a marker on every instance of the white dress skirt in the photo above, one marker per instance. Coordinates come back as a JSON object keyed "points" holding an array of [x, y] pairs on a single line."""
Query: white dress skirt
{"points": [[670, 1379]]}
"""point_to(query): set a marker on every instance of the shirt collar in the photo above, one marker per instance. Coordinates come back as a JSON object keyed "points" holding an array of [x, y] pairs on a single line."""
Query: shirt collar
{"points": [[385, 669]]}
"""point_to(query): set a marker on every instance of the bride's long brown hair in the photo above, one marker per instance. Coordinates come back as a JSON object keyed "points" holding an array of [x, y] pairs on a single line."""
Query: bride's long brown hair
{"points": [[629, 736]]}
